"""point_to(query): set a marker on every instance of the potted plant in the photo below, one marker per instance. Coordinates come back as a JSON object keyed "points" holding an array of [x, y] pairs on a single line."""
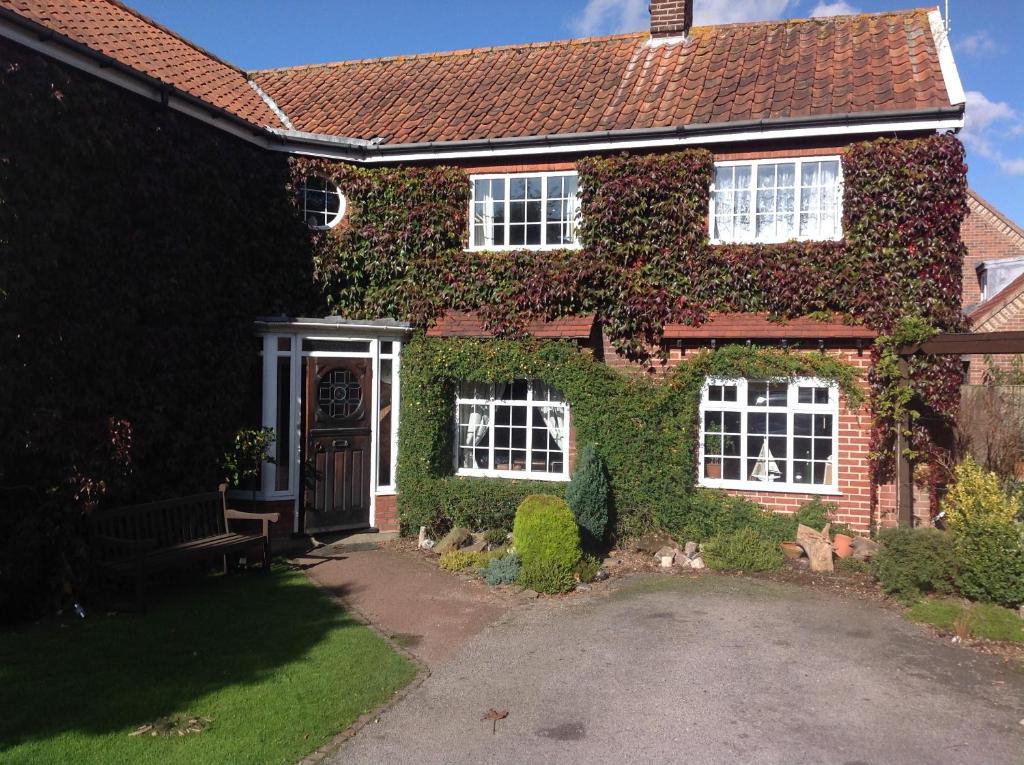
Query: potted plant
{"points": [[243, 462], [713, 442]]}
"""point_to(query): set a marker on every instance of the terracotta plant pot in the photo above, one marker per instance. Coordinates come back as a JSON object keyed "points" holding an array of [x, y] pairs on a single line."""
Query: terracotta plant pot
{"points": [[713, 470], [843, 546], [792, 550]]}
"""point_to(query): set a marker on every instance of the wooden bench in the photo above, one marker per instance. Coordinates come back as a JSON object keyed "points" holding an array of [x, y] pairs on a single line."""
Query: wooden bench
{"points": [[138, 540]]}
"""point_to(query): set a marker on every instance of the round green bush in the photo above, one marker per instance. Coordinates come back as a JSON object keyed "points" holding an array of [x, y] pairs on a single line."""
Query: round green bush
{"points": [[990, 558], [914, 562], [746, 549], [545, 533]]}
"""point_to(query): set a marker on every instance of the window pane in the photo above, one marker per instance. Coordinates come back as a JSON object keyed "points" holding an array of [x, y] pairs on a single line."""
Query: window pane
{"points": [[384, 434], [283, 431]]}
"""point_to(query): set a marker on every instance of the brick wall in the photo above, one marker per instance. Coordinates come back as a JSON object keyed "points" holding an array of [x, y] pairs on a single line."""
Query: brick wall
{"points": [[988, 236], [386, 513]]}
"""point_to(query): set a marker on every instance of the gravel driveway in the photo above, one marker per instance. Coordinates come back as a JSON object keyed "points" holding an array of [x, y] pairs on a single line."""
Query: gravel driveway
{"points": [[708, 669]]}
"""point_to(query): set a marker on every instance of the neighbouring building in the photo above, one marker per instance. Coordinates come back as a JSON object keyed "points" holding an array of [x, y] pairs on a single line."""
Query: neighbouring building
{"points": [[259, 200]]}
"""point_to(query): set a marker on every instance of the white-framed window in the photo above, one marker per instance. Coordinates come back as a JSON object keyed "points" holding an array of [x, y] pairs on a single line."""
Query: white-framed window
{"points": [[518, 429], [321, 202], [524, 211], [770, 435], [777, 200]]}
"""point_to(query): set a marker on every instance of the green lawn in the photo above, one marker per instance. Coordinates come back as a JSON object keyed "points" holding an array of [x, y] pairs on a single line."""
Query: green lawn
{"points": [[983, 620], [274, 664]]}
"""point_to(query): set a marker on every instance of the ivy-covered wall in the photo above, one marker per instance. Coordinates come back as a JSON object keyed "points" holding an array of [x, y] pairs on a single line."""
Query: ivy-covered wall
{"points": [[645, 429], [136, 247]]}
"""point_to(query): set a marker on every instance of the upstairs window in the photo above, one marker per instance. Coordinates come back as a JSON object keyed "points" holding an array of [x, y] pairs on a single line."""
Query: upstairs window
{"points": [[777, 201], [528, 211], [321, 202], [769, 435], [518, 429]]}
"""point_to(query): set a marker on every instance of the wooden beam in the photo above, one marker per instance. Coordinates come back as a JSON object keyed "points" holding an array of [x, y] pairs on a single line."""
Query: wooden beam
{"points": [[962, 343], [904, 472]]}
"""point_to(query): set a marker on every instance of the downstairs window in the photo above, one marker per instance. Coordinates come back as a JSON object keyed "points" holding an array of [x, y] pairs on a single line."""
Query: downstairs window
{"points": [[765, 435], [518, 429]]}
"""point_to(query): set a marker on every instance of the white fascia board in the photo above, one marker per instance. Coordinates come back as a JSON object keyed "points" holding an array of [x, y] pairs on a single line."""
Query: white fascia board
{"points": [[951, 75], [604, 144]]}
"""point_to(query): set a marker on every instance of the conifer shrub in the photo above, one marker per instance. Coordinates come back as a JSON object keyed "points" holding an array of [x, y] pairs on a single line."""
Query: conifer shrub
{"points": [[589, 497], [503, 570]]}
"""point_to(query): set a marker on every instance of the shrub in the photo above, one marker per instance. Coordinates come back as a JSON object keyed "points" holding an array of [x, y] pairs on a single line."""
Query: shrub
{"points": [[852, 566], [914, 562], [547, 575], [496, 536], [990, 560], [457, 560], [744, 550], [545, 530], [548, 543], [988, 541], [708, 513], [502, 570], [816, 513], [587, 568], [978, 495], [589, 496]]}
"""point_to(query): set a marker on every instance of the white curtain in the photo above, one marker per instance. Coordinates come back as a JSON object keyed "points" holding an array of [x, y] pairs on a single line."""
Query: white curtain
{"points": [[554, 419], [475, 432]]}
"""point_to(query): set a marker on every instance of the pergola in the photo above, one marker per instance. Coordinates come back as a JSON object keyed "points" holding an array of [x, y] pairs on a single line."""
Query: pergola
{"points": [[948, 344]]}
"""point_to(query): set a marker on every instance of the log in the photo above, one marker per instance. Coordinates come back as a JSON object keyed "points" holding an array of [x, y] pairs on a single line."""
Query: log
{"points": [[817, 546]]}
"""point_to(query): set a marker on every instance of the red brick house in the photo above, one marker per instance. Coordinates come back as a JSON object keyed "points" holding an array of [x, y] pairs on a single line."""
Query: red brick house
{"points": [[777, 104], [993, 281]]}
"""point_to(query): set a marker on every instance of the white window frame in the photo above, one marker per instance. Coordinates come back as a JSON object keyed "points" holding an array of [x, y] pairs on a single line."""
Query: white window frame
{"points": [[793, 408], [508, 178], [328, 186], [522, 475], [754, 164]]}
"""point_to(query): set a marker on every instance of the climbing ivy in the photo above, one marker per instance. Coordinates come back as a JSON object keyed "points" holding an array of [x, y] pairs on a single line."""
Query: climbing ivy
{"points": [[645, 429]]}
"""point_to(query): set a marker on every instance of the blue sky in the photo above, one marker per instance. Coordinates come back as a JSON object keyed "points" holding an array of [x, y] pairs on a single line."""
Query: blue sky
{"points": [[266, 33]]}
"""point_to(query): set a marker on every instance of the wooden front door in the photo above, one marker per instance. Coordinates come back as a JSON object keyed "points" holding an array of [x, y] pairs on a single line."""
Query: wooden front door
{"points": [[338, 402]]}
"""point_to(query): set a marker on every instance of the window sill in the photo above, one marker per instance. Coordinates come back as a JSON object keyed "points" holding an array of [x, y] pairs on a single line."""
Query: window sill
{"points": [[797, 240], [511, 475], [767, 487], [386, 491], [525, 248]]}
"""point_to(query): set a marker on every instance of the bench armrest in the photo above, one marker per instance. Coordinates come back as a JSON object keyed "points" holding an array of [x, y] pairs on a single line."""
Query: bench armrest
{"points": [[266, 518]]}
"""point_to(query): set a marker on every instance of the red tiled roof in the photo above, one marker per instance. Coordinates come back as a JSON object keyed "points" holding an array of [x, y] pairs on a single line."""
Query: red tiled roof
{"points": [[744, 326], [468, 324], [138, 42], [819, 67]]}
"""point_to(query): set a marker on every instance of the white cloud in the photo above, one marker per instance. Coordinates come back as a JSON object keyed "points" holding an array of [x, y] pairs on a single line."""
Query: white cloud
{"points": [[610, 17], [979, 44], [986, 122], [838, 8], [734, 11]]}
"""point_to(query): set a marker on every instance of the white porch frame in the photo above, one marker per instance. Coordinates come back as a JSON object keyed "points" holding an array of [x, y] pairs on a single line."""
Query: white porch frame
{"points": [[374, 334]]}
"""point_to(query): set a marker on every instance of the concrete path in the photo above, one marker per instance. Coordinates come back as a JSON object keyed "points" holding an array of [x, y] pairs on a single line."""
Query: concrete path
{"points": [[428, 611], [706, 670]]}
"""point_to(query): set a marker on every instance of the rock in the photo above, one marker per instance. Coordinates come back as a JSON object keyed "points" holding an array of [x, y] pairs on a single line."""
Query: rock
{"points": [[817, 545], [698, 563], [529, 594], [478, 544], [683, 561], [690, 549], [428, 545], [581, 587], [601, 575], [651, 543], [864, 548], [423, 535], [453, 540]]}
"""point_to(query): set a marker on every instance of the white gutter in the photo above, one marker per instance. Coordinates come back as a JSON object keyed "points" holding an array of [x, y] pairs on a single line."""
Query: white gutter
{"points": [[375, 152]]}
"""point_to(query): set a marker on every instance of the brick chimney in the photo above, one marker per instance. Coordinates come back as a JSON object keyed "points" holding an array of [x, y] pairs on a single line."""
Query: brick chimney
{"points": [[671, 18]]}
